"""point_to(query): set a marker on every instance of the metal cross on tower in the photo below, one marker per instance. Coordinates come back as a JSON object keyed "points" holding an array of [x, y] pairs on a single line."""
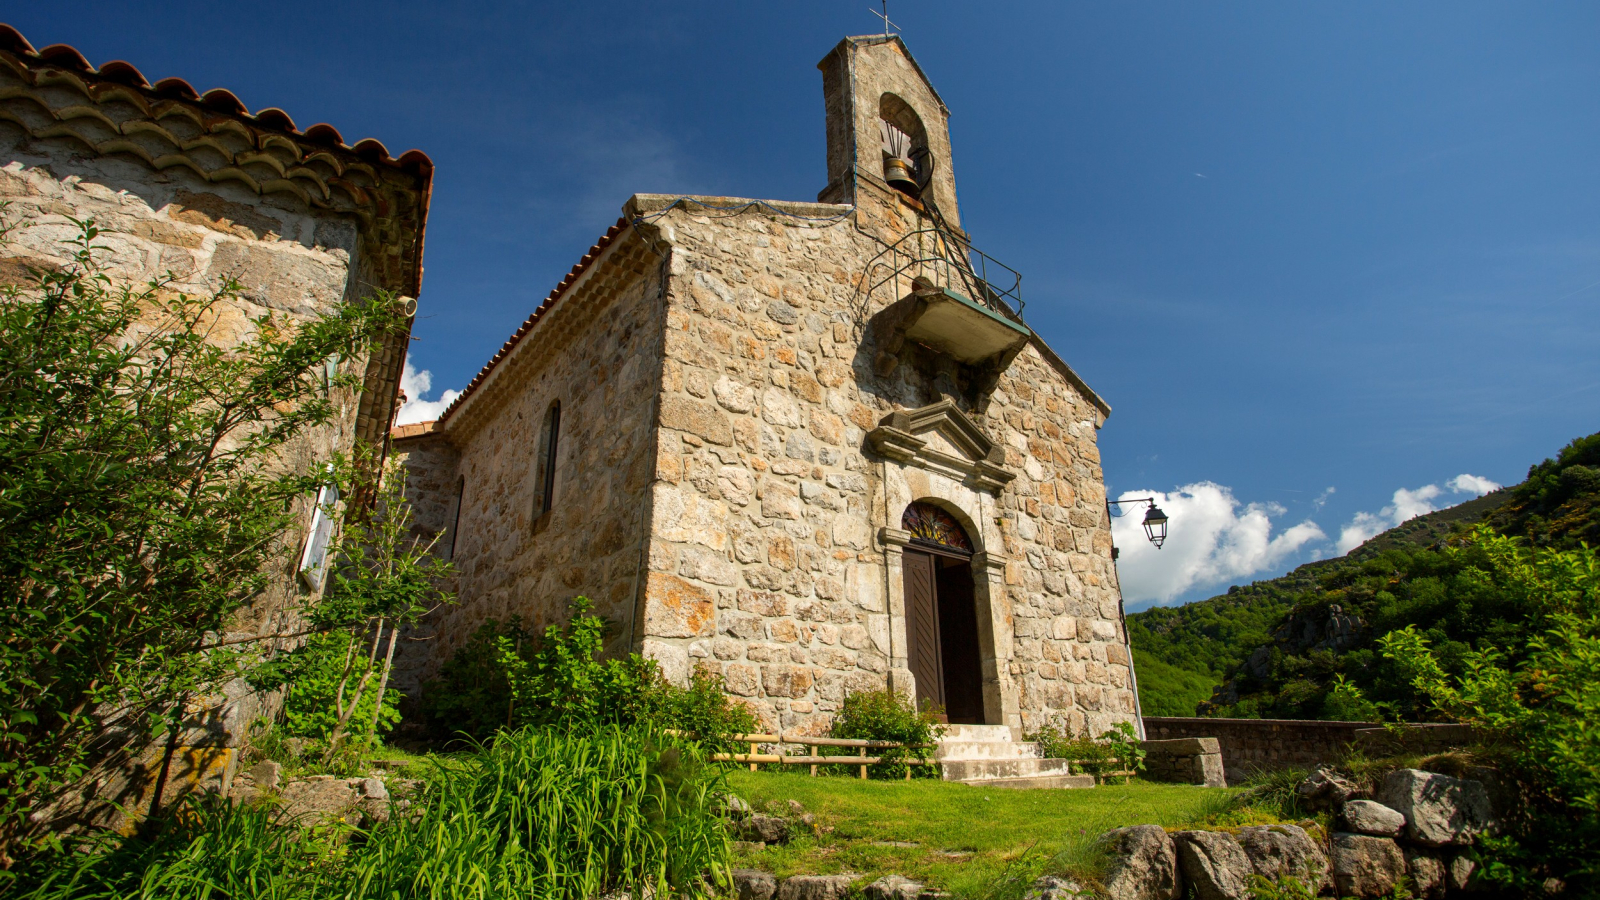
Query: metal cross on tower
{"points": [[885, 17]]}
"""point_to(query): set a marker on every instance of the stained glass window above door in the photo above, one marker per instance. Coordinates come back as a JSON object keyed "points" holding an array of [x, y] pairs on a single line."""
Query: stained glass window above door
{"points": [[933, 525]]}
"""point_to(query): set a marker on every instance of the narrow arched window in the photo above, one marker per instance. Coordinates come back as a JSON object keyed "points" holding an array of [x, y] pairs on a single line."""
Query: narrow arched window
{"points": [[545, 496], [455, 524]]}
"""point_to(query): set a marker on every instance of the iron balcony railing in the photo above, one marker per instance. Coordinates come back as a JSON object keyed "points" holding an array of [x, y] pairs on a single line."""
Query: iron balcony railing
{"points": [[946, 261]]}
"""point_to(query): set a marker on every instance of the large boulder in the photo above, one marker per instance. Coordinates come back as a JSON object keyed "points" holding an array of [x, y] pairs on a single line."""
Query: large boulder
{"points": [[319, 800], [815, 887], [1429, 878], [1284, 851], [1440, 811], [1326, 789], [1372, 817], [1214, 864], [753, 884], [1366, 866], [1144, 864], [896, 887]]}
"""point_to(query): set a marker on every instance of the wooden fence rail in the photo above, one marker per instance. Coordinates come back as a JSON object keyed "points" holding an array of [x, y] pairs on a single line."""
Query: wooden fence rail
{"points": [[755, 758]]}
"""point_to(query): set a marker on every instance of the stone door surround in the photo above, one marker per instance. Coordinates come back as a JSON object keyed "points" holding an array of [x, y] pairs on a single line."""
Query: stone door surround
{"points": [[936, 454]]}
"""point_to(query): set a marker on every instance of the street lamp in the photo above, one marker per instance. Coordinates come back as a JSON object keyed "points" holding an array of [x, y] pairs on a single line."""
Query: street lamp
{"points": [[1155, 521]]}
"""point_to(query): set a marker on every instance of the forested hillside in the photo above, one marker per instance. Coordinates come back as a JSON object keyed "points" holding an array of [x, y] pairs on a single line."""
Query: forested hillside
{"points": [[1279, 648]]}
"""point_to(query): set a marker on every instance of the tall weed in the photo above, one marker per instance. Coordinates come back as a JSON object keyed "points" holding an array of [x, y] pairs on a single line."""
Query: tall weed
{"points": [[549, 814]]}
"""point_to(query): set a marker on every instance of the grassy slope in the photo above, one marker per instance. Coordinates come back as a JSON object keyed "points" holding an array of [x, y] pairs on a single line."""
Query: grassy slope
{"points": [[1169, 690], [967, 838]]}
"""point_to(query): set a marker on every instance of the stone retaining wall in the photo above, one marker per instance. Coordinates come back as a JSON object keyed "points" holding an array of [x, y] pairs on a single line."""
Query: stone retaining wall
{"points": [[1253, 745]]}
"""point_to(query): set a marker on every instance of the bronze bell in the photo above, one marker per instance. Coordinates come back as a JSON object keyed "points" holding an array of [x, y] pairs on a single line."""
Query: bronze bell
{"points": [[898, 173]]}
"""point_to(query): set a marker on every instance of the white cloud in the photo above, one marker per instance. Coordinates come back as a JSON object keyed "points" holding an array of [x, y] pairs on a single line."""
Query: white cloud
{"points": [[1211, 539], [1472, 484], [1407, 504], [416, 385]]}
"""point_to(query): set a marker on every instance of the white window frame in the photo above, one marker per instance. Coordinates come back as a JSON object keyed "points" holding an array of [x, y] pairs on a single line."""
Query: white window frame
{"points": [[314, 559]]}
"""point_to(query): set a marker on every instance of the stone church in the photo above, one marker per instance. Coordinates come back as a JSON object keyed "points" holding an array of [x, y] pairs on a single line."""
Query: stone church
{"points": [[813, 448]]}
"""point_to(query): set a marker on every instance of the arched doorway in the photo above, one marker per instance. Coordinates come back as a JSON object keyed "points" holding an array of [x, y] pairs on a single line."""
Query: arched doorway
{"points": [[942, 614]]}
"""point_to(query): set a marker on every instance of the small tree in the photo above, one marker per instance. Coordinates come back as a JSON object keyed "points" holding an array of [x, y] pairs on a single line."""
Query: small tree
{"points": [[143, 497], [385, 577]]}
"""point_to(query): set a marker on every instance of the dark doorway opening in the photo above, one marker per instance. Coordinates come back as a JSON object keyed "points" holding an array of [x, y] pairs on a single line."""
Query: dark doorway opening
{"points": [[942, 615]]}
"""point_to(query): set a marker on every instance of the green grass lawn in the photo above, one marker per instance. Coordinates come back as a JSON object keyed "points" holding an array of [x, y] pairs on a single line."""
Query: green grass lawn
{"points": [[974, 842]]}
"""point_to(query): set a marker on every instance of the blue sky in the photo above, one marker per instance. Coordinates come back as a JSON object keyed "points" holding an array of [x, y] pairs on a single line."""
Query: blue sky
{"points": [[1296, 246]]}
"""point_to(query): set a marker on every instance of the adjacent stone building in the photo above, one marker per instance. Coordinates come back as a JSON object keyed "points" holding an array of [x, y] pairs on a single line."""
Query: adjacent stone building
{"points": [[810, 447], [196, 187]]}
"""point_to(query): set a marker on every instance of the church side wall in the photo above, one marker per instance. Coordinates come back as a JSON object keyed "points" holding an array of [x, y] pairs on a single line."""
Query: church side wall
{"points": [[766, 565], [599, 354]]}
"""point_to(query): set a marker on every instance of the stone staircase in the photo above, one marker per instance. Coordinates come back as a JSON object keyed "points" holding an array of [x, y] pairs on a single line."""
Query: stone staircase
{"points": [[986, 755]]}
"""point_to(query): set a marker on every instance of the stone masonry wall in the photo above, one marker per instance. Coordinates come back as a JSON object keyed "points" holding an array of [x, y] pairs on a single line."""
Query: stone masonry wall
{"points": [[1256, 745], [765, 563], [598, 351]]}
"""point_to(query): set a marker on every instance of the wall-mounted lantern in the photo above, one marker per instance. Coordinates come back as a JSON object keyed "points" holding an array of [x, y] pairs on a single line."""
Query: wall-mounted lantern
{"points": [[1155, 521]]}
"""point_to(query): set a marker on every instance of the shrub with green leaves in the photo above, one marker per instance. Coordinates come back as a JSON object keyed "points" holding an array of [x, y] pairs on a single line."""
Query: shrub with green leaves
{"points": [[562, 680], [1541, 697], [471, 696], [1116, 750], [889, 716]]}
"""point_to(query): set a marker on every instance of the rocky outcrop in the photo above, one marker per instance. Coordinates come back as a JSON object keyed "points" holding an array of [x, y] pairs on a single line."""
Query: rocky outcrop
{"points": [[815, 887], [753, 884], [1213, 864], [1326, 789], [1143, 866], [1372, 817], [1366, 866], [1440, 811], [765, 829], [1284, 851]]}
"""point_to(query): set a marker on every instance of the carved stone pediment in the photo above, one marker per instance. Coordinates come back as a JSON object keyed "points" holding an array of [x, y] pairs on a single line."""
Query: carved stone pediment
{"points": [[940, 437]]}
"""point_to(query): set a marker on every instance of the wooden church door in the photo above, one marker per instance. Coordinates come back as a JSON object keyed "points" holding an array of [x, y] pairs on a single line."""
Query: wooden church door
{"points": [[941, 614]]}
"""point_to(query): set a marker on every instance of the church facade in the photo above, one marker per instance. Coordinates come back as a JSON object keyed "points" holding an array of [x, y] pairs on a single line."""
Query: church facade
{"points": [[813, 448]]}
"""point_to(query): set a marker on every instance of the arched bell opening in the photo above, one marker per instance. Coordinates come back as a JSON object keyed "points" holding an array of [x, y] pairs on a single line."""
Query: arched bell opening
{"points": [[944, 643]]}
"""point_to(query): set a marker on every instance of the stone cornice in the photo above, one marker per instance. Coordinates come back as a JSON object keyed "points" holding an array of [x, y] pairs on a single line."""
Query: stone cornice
{"points": [[899, 437]]}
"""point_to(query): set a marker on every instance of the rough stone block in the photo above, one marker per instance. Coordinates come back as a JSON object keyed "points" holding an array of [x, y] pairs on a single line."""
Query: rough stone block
{"points": [[1214, 865], [675, 607], [1366, 866]]}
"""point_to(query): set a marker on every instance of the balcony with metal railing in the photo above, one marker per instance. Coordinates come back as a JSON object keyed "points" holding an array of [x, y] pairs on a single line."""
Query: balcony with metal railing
{"points": [[961, 302]]}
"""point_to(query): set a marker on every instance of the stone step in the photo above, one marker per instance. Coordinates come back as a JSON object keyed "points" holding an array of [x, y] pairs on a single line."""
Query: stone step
{"points": [[980, 770], [963, 734], [958, 750], [1054, 782]]}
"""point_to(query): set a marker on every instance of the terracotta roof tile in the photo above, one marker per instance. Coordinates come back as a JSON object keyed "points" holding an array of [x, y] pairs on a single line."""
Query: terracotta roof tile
{"points": [[219, 99]]}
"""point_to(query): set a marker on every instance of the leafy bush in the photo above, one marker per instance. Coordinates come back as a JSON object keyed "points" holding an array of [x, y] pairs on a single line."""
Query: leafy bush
{"points": [[543, 813], [471, 697], [1116, 750], [1540, 696], [314, 674], [888, 716], [561, 680]]}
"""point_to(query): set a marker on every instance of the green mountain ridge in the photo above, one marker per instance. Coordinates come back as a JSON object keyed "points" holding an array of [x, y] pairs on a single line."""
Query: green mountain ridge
{"points": [[1275, 648]]}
